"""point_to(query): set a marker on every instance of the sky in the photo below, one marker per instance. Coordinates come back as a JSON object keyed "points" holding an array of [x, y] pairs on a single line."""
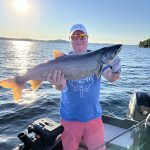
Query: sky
{"points": [[107, 21]]}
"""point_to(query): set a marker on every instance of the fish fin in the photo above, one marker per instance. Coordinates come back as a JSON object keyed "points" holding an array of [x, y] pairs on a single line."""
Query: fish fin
{"points": [[57, 53], [35, 84], [16, 88], [99, 72]]}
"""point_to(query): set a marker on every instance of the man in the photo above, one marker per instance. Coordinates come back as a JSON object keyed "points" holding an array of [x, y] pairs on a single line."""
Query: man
{"points": [[80, 110]]}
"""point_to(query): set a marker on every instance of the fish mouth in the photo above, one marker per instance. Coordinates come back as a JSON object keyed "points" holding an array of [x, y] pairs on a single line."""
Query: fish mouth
{"points": [[118, 49], [119, 46], [111, 54]]}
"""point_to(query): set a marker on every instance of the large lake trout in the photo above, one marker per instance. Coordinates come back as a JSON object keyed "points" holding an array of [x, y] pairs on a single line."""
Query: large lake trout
{"points": [[72, 66]]}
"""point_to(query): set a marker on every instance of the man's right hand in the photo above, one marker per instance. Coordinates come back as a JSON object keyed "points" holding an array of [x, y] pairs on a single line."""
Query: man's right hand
{"points": [[57, 80]]}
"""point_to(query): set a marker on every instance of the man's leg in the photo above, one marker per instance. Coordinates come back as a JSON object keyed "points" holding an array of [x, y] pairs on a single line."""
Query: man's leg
{"points": [[72, 134], [94, 135]]}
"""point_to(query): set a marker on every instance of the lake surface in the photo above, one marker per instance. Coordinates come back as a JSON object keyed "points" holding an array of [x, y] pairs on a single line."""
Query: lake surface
{"points": [[17, 56]]}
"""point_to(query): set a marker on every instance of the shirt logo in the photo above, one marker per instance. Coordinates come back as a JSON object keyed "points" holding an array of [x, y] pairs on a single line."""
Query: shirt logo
{"points": [[82, 85]]}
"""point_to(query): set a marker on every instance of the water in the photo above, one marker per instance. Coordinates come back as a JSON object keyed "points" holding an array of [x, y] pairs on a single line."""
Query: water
{"points": [[17, 56]]}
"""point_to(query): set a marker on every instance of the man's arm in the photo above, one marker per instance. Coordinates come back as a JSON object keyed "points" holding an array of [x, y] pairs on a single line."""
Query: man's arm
{"points": [[112, 72], [57, 80]]}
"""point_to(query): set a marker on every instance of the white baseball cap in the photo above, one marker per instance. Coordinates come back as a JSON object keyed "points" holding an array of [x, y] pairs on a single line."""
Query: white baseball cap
{"points": [[76, 27]]}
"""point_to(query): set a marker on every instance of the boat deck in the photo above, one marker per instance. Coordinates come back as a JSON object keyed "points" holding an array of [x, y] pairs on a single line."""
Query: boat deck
{"points": [[114, 127], [122, 142]]}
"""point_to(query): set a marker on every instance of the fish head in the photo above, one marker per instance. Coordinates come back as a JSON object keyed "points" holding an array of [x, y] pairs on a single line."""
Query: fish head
{"points": [[108, 54]]}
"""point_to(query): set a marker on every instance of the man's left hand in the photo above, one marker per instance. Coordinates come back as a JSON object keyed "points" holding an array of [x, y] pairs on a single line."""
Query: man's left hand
{"points": [[116, 65]]}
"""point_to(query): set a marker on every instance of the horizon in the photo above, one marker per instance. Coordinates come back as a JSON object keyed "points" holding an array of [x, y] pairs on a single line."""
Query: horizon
{"points": [[114, 22], [54, 40]]}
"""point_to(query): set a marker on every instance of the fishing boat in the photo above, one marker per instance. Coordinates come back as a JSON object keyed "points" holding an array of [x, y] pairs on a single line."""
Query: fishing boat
{"points": [[131, 133]]}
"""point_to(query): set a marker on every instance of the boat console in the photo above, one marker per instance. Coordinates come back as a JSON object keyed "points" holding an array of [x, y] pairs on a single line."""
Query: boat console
{"points": [[46, 133]]}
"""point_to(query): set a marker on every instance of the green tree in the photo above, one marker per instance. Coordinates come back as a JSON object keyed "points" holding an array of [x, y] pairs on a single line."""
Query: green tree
{"points": [[145, 43]]}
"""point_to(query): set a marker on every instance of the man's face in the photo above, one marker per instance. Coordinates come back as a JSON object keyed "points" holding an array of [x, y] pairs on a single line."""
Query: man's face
{"points": [[78, 42]]}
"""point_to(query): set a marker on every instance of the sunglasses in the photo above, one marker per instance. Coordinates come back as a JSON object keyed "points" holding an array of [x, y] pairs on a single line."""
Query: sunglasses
{"points": [[81, 36]]}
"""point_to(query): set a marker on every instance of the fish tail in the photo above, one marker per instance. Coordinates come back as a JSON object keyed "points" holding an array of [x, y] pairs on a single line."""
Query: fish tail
{"points": [[16, 88], [35, 84]]}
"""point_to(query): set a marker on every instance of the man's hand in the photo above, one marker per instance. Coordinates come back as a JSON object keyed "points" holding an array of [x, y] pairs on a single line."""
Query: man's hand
{"points": [[116, 65], [112, 73], [57, 80]]}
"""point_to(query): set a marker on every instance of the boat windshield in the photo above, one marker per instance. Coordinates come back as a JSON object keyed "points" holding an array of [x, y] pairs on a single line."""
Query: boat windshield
{"points": [[136, 137]]}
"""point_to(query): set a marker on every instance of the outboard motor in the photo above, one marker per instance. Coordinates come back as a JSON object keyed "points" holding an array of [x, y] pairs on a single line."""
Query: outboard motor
{"points": [[139, 106], [45, 136]]}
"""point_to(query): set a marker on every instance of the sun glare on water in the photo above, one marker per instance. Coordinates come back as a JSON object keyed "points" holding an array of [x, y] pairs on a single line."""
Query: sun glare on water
{"points": [[22, 50], [21, 6]]}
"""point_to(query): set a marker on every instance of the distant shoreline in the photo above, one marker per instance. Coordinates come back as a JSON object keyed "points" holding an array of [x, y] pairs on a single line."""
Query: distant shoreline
{"points": [[34, 40], [52, 41]]}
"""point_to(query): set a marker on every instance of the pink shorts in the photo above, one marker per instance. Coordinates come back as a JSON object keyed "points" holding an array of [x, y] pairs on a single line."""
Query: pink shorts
{"points": [[92, 133]]}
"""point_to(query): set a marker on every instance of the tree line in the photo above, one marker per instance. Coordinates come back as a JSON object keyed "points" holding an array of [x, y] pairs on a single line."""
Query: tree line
{"points": [[145, 43]]}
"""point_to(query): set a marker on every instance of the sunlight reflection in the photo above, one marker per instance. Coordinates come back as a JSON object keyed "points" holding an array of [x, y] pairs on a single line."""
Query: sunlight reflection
{"points": [[28, 97], [21, 44], [22, 52]]}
